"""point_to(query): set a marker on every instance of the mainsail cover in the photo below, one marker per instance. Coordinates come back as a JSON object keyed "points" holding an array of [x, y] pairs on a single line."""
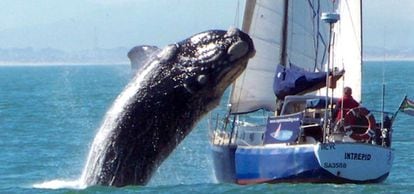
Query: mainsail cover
{"points": [[296, 81], [304, 43]]}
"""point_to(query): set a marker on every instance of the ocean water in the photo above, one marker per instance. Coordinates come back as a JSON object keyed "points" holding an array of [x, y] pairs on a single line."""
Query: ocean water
{"points": [[50, 114]]}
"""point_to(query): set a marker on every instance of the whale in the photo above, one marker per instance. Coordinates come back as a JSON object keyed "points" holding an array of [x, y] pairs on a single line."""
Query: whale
{"points": [[162, 103]]}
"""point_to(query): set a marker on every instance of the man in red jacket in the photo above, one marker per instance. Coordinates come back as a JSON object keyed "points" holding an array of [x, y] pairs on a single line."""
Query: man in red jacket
{"points": [[346, 103]]}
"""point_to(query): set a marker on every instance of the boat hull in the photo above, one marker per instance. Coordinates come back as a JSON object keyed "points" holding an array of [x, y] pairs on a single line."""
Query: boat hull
{"points": [[314, 163], [224, 163]]}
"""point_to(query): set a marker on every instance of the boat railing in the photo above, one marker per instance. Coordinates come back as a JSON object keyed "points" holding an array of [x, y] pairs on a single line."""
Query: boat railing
{"points": [[220, 130], [250, 135], [235, 131], [240, 131], [384, 122], [382, 128]]}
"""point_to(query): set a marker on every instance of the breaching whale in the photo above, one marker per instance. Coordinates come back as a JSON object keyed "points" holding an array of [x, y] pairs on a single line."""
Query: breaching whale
{"points": [[161, 105]]}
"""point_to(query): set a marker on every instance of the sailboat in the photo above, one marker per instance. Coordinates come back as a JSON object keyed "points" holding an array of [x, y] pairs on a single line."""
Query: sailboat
{"points": [[281, 123]]}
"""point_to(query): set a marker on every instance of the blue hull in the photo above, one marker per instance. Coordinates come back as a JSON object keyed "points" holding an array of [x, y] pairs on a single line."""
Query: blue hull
{"points": [[250, 165], [264, 165], [224, 164]]}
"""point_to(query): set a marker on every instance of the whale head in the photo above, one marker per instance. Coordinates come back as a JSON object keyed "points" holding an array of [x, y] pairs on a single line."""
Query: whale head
{"points": [[209, 62]]}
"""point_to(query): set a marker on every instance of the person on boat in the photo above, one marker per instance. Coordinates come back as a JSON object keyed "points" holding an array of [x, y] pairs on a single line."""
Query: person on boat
{"points": [[345, 104]]}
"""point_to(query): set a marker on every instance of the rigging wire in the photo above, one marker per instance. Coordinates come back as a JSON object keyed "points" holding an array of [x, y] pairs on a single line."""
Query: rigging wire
{"points": [[318, 38], [243, 75], [237, 15], [383, 79]]}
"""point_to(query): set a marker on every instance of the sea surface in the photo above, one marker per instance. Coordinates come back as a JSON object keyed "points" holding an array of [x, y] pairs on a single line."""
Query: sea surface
{"points": [[49, 115]]}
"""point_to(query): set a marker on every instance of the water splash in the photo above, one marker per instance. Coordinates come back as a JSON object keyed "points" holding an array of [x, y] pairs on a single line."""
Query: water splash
{"points": [[60, 184]]}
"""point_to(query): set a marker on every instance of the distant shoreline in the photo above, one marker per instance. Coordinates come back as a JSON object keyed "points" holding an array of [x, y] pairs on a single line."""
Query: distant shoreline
{"points": [[5, 64], [388, 59], [29, 63]]}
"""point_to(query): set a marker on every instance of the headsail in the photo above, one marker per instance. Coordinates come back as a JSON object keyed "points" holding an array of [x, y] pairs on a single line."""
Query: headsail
{"points": [[278, 27], [252, 90]]}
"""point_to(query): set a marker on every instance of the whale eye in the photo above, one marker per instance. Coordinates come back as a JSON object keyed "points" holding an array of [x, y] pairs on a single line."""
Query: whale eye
{"points": [[202, 79], [194, 84]]}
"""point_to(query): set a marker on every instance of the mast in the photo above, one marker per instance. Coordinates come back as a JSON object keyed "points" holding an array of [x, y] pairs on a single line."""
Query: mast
{"points": [[331, 19], [248, 15], [362, 32], [283, 38], [283, 48]]}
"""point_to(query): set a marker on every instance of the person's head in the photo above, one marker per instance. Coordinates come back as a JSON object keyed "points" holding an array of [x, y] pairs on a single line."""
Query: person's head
{"points": [[347, 91]]}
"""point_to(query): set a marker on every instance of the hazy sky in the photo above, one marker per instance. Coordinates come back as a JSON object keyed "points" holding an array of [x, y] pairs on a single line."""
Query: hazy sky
{"points": [[389, 23], [83, 24], [86, 24]]}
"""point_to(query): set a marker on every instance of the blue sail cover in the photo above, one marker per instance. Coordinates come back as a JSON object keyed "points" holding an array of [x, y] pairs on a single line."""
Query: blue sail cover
{"points": [[295, 80]]}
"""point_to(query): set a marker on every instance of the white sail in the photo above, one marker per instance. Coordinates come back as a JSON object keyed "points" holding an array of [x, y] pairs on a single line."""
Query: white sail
{"points": [[307, 37], [263, 21], [300, 39], [347, 50]]}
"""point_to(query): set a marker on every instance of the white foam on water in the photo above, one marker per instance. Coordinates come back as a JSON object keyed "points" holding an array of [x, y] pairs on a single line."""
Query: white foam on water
{"points": [[60, 184]]}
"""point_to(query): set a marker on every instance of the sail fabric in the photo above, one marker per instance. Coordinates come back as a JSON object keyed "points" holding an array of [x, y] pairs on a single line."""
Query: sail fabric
{"points": [[253, 89], [308, 36], [347, 48], [303, 41]]}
